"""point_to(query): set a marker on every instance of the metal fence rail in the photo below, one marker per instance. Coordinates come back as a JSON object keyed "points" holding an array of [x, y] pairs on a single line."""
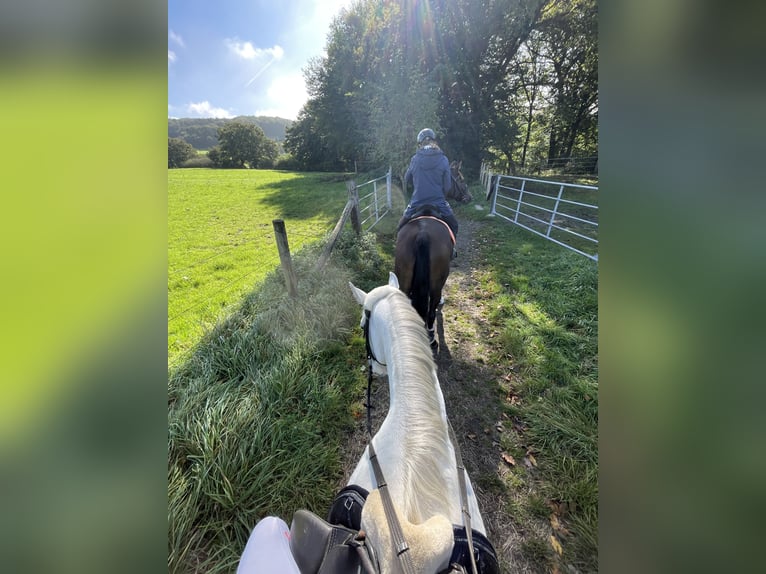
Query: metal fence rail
{"points": [[372, 204], [560, 212]]}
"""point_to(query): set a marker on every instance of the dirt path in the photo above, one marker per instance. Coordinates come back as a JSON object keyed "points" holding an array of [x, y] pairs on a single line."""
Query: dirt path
{"points": [[474, 391]]}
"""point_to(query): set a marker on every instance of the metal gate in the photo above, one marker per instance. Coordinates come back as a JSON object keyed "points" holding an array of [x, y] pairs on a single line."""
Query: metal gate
{"points": [[373, 205], [564, 213]]}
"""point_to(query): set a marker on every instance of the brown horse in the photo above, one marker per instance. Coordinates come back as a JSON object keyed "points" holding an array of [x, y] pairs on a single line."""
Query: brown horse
{"points": [[421, 264], [459, 191]]}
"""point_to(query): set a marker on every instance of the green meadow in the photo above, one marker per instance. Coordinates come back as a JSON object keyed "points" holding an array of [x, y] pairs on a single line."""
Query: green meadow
{"points": [[221, 239]]}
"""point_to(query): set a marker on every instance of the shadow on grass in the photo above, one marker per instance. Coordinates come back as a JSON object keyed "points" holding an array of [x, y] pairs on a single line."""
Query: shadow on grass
{"points": [[309, 195], [256, 413]]}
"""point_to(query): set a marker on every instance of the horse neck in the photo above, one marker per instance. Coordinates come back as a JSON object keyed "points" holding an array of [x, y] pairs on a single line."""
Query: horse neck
{"points": [[413, 384], [416, 422]]}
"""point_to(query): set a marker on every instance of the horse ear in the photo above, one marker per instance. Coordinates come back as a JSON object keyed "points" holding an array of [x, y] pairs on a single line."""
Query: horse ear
{"points": [[392, 280], [359, 295]]}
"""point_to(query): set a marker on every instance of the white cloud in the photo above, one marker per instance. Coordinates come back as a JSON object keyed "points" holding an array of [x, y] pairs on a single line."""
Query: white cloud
{"points": [[205, 110], [247, 51], [171, 56], [176, 38], [286, 94]]}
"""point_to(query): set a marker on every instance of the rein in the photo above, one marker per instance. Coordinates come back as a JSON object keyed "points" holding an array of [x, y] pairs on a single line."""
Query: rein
{"points": [[463, 497], [402, 548], [366, 330], [370, 358]]}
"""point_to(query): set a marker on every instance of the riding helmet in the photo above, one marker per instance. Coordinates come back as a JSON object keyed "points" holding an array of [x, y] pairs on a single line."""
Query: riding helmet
{"points": [[425, 134]]}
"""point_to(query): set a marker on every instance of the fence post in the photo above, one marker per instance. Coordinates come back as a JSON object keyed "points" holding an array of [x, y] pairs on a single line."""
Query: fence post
{"points": [[353, 196], [388, 188], [518, 203], [333, 237], [555, 209], [284, 257], [489, 189]]}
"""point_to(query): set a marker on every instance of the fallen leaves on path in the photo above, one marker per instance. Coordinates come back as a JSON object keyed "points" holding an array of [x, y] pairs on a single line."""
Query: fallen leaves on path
{"points": [[556, 545], [558, 528]]}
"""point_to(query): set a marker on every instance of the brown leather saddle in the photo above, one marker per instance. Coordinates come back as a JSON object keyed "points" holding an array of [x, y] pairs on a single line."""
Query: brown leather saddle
{"points": [[427, 212]]}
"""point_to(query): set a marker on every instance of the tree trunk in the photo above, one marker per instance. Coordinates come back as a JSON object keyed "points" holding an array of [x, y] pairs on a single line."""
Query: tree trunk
{"points": [[530, 115], [553, 147], [511, 165]]}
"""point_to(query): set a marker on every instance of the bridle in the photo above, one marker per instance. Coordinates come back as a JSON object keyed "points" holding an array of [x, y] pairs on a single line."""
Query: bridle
{"points": [[397, 535], [370, 358], [462, 191], [456, 182]]}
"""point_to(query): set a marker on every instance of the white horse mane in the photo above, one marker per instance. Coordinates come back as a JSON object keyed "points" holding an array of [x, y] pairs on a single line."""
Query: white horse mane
{"points": [[412, 374]]}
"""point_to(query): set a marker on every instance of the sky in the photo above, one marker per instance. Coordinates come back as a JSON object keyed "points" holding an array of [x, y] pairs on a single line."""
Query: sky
{"points": [[243, 57]]}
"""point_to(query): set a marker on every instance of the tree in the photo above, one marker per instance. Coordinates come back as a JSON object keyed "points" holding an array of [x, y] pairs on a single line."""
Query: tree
{"points": [[269, 154], [494, 79], [179, 151], [242, 144], [570, 33], [398, 115], [218, 158], [304, 141]]}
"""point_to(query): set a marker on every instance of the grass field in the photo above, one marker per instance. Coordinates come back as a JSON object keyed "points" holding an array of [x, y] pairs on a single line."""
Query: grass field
{"points": [[221, 239]]}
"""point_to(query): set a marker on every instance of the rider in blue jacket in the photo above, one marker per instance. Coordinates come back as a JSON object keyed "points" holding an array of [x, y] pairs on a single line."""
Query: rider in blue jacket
{"points": [[429, 173]]}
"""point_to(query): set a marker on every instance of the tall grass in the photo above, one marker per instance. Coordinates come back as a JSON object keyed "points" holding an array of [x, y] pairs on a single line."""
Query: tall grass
{"points": [[544, 305], [257, 412]]}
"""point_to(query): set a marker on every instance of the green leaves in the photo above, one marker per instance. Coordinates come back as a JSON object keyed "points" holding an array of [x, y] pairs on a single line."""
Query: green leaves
{"points": [[243, 144], [179, 151]]}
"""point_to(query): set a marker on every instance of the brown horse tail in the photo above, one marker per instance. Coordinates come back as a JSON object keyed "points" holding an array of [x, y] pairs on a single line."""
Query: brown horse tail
{"points": [[421, 279]]}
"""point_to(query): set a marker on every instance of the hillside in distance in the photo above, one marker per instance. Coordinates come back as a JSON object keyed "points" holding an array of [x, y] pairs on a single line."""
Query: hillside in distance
{"points": [[202, 133]]}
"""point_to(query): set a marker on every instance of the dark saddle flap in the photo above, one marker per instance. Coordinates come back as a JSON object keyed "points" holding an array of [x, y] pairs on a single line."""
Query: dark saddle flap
{"points": [[322, 548]]}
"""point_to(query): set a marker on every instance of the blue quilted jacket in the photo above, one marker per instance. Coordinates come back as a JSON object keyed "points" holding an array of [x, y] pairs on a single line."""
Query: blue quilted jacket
{"points": [[430, 174]]}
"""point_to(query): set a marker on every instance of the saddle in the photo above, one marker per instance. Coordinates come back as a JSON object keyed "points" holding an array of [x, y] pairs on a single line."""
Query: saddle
{"points": [[338, 546], [322, 548], [428, 211], [422, 211]]}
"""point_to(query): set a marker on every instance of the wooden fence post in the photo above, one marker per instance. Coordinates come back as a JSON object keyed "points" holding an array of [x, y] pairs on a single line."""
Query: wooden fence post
{"points": [[353, 196], [333, 237], [284, 257]]}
